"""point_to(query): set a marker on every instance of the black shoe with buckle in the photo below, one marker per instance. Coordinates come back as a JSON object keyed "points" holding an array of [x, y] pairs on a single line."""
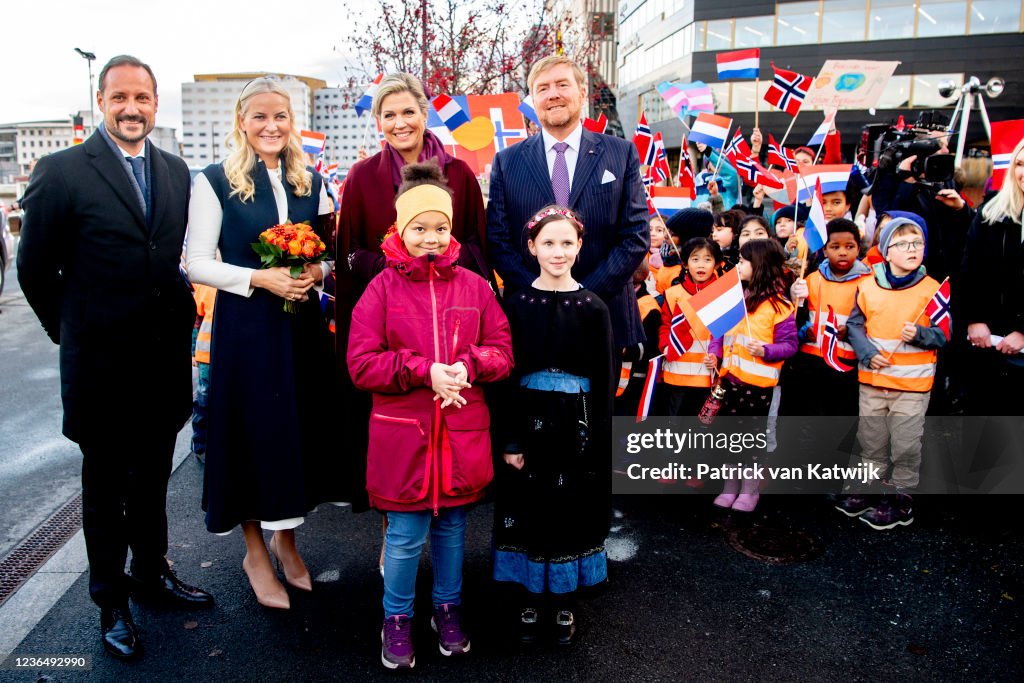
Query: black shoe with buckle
{"points": [[119, 633], [529, 623], [565, 627], [168, 589]]}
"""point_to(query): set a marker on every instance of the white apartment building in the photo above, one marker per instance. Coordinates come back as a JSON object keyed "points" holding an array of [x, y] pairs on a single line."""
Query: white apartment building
{"points": [[208, 110], [35, 139], [335, 116]]}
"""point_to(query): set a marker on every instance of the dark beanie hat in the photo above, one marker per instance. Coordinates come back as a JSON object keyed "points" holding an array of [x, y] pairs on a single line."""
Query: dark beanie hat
{"points": [[801, 210], [689, 223]]}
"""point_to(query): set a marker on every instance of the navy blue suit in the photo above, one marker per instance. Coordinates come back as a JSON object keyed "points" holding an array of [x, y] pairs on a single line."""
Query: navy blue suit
{"points": [[614, 213]]}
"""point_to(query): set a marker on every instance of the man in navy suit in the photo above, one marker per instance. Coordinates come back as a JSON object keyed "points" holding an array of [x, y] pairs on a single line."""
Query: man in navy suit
{"points": [[98, 263], [603, 187]]}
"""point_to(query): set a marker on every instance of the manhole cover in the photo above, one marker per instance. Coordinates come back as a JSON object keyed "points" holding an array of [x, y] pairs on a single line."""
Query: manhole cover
{"points": [[773, 545]]}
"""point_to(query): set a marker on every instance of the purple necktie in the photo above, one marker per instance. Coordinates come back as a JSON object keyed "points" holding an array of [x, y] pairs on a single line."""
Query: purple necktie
{"points": [[560, 175]]}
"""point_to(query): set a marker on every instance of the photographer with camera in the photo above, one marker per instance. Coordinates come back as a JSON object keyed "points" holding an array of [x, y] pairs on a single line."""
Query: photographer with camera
{"points": [[914, 172]]}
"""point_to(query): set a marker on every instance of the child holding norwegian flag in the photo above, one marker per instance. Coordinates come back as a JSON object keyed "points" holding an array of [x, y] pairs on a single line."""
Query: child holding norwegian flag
{"points": [[682, 337], [822, 368], [900, 319]]}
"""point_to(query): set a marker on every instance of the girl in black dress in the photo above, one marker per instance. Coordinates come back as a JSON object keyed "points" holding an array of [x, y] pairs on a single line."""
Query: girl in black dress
{"points": [[553, 495]]}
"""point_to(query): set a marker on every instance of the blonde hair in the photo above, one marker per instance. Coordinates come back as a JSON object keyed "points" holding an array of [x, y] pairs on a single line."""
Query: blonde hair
{"points": [[241, 163], [546, 63], [1009, 201], [395, 83]]}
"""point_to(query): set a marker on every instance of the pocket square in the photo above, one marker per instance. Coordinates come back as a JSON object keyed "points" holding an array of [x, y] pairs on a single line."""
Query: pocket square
{"points": [[607, 177]]}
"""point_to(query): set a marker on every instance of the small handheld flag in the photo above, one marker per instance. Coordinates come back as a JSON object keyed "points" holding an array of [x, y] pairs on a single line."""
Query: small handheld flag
{"points": [[830, 342], [738, 64], [711, 130], [823, 129], [738, 147], [313, 143], [814, 230], [644, 141], [788, 90], [365, 103], [661, 167], [685, 178], [938, 309], [720, 305], [598, 126], [647, 398], [1005, 136], [452, 115], [780, 156], [680, 336], [833, 177], [668, 200]]}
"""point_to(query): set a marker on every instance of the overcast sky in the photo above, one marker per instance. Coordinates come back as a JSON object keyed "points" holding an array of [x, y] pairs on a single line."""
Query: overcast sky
{"points": [[44, 78]]}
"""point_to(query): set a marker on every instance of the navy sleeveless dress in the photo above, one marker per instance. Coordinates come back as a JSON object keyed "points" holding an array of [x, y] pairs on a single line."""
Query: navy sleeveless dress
{"points": [[268, 456]]}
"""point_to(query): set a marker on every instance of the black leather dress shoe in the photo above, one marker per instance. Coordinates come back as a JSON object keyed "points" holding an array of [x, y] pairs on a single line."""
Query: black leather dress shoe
{"points": [[119, 634], [169, 590]]}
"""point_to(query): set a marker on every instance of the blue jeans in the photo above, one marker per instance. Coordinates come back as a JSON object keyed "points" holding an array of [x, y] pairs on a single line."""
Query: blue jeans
{"points": [[406, 534]]}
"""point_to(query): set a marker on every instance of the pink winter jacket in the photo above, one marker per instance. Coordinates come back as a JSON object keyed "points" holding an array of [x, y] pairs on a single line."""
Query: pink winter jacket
{"points": [[416, 312]]}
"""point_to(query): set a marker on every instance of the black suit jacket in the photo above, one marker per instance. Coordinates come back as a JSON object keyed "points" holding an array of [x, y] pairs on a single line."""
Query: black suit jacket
{"points": [[108, 289], [608, 195]]}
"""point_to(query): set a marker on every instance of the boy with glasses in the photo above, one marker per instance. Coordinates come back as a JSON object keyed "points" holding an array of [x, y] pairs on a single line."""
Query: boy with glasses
{"points": [[897, 348]]}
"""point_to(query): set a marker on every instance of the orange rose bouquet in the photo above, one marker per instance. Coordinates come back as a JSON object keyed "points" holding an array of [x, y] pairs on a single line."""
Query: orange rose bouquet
{"points": [[292, 246]]}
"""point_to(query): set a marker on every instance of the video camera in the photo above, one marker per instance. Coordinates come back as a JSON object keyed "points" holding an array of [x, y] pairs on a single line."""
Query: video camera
{"points": [[883, 147]]}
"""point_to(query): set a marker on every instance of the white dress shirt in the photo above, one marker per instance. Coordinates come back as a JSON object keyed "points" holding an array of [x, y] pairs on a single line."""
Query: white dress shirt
{"points": [[571, 154], [204, 220]]}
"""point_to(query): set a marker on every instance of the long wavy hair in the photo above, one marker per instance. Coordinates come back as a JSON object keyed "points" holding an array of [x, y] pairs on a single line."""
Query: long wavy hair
{"points": [[1009, 201], [241, 163], [767, 274]]}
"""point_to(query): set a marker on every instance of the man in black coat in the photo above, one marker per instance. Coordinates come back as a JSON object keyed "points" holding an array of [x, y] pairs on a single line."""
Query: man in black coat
{"points": [[98, 262]]}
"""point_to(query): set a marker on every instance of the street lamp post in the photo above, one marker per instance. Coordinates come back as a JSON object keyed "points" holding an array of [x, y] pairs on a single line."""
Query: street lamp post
{"points": [[89, 57]]}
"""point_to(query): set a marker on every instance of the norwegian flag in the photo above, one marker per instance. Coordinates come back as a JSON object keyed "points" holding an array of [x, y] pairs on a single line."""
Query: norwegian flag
{"points": [[938, 309], [830, 342], [661, 167], [780, 156], [644, 141], [685, 177], [680, 335], [598, 126], [788, 90], [753, 173], [648, 180], [1005, 136], [737, 147]]}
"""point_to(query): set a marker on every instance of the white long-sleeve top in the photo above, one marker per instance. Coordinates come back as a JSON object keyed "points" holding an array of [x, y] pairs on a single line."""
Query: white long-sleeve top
{"points": [[204, 221]]}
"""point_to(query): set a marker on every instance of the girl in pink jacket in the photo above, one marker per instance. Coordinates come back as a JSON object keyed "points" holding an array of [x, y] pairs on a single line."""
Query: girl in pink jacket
{"points": [[424, 335]]}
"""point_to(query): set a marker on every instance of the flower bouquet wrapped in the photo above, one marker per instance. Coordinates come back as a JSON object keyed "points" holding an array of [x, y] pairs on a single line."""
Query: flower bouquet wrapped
{"points": [[290, 245]]}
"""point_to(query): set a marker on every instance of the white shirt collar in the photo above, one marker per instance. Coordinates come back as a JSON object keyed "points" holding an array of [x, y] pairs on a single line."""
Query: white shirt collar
{"points": [[129, 155], [573, 140]]}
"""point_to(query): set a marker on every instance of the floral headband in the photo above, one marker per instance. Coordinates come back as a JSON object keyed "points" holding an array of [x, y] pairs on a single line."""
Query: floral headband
{"points": [[552, 211]]}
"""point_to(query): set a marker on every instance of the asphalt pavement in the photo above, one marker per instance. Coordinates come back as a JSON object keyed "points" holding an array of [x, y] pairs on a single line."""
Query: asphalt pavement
{"points": [[937, 601]]}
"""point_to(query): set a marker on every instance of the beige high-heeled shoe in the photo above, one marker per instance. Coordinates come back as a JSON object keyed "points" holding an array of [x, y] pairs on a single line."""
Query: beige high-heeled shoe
{"points": [[300, 580], [269, 591]]}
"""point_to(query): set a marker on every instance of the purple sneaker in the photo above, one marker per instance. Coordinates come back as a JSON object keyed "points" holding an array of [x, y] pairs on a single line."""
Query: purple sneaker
{"points": [[890, 513], [447, 624], [396, 650], [854, 505]]}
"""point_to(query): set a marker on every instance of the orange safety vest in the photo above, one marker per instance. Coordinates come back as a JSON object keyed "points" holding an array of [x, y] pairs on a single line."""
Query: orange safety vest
{"points": [[666, 274], [646, 303], [205, 297], [738, 362], [821, 294], [885, 311], [689, 370]]}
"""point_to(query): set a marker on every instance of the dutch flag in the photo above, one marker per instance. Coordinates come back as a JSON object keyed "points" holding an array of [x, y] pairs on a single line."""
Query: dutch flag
{"points": [[814, 230], [720, 305], [833, 179], [365, 103], [452, 115], [711, 130], [647, 398], [313, 143], [669, 200], [823, 129], [739, 64]]}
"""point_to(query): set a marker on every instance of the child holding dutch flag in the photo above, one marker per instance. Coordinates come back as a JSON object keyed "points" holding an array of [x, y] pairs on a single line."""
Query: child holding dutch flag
{"points": [[754, 330]]}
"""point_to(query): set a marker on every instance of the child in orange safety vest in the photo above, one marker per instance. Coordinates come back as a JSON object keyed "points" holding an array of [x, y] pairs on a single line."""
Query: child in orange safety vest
{"points": [[813, 387], [752, 354], [897, 347], [205, 297], [685, 379]]}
